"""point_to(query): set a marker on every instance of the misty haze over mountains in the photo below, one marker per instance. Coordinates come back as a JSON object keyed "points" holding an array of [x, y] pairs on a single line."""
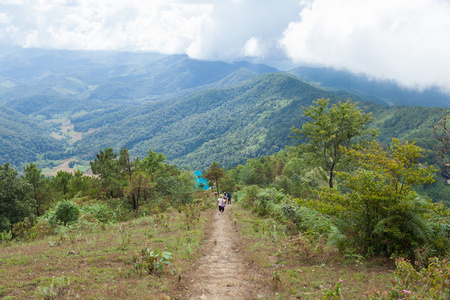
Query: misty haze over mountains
{"points": [[86, 74]]}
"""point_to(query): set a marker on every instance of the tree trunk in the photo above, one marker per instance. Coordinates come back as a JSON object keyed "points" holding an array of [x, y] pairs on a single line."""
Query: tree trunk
{"points": [[128, 160], [38, 211], [330, 182], [137, 198]]}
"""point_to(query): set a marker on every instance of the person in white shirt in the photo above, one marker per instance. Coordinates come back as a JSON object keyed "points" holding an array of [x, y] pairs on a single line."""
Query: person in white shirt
{"points": [[221, 203]]}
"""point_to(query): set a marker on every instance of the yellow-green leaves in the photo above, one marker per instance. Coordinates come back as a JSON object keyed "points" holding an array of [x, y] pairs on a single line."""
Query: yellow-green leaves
{"points": [[398, 164], [375, 204]]}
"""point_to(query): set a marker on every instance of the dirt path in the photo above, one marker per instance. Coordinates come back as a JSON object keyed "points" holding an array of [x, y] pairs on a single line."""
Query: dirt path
{"points": [[223, 272]]}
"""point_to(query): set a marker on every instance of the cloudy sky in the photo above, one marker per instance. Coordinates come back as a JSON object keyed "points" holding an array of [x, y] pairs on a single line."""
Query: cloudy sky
{"points": [[403, 40]]}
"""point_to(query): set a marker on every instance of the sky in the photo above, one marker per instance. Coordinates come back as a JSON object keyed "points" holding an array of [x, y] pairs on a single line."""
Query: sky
{"points": [[407, 41]]}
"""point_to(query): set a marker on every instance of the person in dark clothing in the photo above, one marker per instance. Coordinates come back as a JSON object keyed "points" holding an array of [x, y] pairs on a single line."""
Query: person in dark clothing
{"points": [[229, 198]]}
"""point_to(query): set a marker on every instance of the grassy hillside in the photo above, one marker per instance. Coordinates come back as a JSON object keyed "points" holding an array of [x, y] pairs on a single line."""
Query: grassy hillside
{"points": [[95, 260], [92, 260]]}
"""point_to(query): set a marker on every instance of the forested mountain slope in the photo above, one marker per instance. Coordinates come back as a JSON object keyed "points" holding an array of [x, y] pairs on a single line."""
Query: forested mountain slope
{"points": [[226, 125], [24, 140], [194, 112], [176, 76], [411, 123], [388, 92]]}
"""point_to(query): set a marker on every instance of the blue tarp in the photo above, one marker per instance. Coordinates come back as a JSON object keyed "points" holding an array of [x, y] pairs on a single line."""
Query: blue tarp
{"points": [[199, 179]]}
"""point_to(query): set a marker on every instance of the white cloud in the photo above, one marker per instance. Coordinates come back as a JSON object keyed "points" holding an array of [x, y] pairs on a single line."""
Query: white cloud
{"points": [[232, 23], [158, 25], [407, 41], [202, 29], [253, 48], [4, 19]]}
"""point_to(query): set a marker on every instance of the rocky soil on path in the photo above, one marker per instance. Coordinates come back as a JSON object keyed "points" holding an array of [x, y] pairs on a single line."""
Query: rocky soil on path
{"points": [[223, 272]]}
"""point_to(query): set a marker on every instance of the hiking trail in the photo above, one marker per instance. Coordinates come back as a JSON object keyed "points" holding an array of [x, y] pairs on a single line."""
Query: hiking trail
{"points": [[223, 272]]}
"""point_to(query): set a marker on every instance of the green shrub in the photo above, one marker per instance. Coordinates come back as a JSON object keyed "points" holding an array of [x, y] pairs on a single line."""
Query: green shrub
{"points": [[66, 212], [151, 260], [264, 203], [292, 216], [248, 196], [191, 215], [41, 228], [335, 293], [22, 229], [4, 223], [237, 196], [121, 209], [101, 212], [301, 218], [6, 237]]}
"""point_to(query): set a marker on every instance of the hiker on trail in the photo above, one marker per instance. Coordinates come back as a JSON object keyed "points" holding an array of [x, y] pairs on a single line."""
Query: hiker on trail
{"points": [[229, 198], [221, 203]]}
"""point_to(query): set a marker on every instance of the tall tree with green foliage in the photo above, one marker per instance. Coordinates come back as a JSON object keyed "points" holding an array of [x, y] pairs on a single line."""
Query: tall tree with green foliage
{"points": [[214, 173], [103, 163], [111, 169], [61, 181], [142, 176], [258, 171], [125, 162], [137, 188], [152, 162], [41, 194], [81, 184], [341, 125], [16, 202]]}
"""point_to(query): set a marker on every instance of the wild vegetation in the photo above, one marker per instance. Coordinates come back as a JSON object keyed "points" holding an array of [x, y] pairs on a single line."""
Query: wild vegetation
{"points": [[83, 246], [99, 236], [372, 211], [343, 196], [97, 257]]}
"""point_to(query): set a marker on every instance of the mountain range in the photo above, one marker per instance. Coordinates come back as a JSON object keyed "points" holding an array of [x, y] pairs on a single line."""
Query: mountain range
{"points": [[70, 104]]}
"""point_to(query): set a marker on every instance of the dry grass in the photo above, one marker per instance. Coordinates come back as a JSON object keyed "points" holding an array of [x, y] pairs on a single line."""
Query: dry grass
{"points": [[300, 267], [98, 264]]}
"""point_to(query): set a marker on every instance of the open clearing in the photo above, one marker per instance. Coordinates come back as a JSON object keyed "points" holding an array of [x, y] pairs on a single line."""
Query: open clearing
{"points": [[236, 255]]}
